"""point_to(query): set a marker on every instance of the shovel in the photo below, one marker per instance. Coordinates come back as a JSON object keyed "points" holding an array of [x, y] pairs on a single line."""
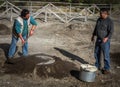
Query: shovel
{"points": [[19, 48]]}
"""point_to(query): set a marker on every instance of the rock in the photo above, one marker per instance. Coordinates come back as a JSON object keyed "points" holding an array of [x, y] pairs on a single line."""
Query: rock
{"points": [[57, 69], [118, 67]]}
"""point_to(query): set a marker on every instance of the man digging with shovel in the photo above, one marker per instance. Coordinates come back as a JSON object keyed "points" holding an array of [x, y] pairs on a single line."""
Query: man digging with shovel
{"points": [[103, 30], [20, 30]]}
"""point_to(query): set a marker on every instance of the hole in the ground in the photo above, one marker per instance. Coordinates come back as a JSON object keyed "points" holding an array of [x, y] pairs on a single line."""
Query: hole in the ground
{"points": [[42, 68]]}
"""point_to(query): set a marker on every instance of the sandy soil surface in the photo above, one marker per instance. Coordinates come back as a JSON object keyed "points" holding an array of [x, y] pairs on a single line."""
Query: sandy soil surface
{"points": [[70, 46]]}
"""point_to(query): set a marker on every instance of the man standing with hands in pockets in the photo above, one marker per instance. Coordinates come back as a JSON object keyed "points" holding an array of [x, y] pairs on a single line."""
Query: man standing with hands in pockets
{"points": [[103, 31], [21, 31]]}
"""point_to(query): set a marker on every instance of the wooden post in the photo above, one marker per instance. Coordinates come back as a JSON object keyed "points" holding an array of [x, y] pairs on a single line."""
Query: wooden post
{"points": [[94, 10], [6, 6], [110, 9], [85, 14], [70, 9], [30, 6], [45, 15], [11, 14]]}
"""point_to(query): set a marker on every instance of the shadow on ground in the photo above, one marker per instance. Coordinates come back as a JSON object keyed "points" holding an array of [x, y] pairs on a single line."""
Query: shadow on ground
{"points": [[75, 73], [5, 48], [4, 30], [71, 56], [115, 57], [32, 65]]}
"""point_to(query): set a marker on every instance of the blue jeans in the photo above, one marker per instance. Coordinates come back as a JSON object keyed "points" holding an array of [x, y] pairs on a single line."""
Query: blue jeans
{"points": [[105, 49], [12, 48]]}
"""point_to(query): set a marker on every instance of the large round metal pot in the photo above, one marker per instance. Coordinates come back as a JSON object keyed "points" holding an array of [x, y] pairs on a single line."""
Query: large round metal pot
{"points": [[87, 73]]}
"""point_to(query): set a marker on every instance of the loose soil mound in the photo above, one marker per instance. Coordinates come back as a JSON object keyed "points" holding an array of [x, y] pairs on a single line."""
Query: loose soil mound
{"points": [[29, 65], [59, 69]]}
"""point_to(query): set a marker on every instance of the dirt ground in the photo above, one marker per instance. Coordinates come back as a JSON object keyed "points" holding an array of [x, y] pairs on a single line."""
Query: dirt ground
{"points": [[68, 44]]}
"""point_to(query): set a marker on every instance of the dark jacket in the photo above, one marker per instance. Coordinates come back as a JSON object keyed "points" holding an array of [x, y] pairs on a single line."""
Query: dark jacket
{"points": [[104, 28]]}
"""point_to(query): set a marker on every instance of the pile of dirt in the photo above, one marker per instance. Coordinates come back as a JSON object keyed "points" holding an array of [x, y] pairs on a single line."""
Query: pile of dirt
{"points": [[4, 30], [22, 65], [29, 66], [59, 69]]}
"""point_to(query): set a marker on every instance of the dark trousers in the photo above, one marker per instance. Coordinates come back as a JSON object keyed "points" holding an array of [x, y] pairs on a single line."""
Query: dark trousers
{"points": [[105, 49]]}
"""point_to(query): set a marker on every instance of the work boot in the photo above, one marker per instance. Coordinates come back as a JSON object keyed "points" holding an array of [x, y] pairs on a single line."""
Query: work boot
{"points": [[8, 61], [105, 72]]}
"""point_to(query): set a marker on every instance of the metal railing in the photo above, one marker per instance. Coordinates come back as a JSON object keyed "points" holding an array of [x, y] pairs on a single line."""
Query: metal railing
{"points": [[65, 12]]}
